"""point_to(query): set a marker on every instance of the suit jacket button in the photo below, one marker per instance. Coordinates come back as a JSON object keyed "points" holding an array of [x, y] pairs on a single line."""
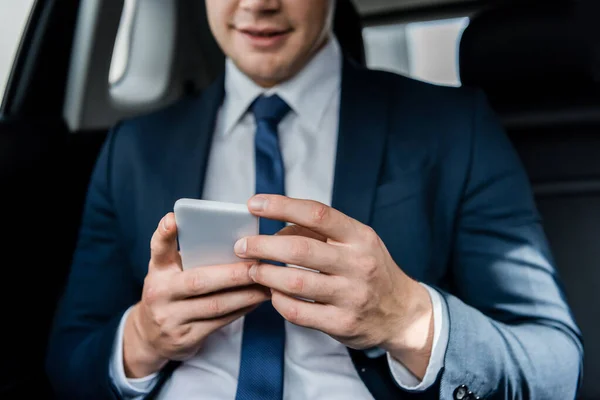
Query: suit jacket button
{"points": [[461, 392]]}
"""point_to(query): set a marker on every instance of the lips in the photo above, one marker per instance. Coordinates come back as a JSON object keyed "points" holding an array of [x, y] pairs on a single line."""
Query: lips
{"points": [[266, 33], [265, 39]]}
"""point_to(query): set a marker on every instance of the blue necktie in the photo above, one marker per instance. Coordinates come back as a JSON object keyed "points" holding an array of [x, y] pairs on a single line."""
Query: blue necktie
{"points": [[261, 366]]}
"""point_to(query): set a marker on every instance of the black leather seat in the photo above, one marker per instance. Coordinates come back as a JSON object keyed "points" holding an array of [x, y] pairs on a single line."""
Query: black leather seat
{"points": [[347, 26], [540, 68]]}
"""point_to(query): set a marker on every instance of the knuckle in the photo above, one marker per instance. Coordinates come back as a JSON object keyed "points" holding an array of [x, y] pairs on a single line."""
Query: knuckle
{"points": [[195, 282], [350, 325], [296, 283], [148, 288], [300, 249], [160, 318], [319, 213], [214, 305], [179, 338], [236, 274], [370, 237], [152, 291], [292, 314], [252, 296], [362, 298], [340, 287], [369, 265], [256, 296], [183, 331], [154, 244]]}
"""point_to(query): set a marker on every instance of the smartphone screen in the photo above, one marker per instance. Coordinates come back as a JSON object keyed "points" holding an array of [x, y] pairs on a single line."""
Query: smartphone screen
{"points": [[208, 230]]}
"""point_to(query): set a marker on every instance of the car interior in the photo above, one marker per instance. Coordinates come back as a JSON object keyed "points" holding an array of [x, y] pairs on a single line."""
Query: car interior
{"points": [[538, 62]]}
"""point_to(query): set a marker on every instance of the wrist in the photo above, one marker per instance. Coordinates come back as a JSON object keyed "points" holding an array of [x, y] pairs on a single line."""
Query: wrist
{"points": [[139, 359], [410, 340]]}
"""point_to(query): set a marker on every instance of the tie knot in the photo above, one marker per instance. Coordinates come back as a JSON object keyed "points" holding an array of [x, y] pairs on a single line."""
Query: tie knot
{"points": [[271, 108]]}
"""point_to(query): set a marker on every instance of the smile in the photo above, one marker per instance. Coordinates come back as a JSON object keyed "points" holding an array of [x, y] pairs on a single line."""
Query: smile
{"points": [[265, 39]]}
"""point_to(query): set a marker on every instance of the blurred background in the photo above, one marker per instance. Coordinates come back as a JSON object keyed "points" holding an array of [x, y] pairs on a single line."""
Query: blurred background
{"points": [[426, 50], [13, 19]]}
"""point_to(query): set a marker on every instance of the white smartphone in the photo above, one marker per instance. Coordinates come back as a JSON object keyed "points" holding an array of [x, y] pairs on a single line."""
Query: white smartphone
{"points": [[207, 230]]}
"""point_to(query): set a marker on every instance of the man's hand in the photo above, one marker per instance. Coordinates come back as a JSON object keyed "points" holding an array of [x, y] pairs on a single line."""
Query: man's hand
{"points": [[179, 309], [360, 297]]}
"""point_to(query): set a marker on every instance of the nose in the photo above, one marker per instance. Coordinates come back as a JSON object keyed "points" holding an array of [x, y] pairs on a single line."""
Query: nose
{"points": [[260, 6]]}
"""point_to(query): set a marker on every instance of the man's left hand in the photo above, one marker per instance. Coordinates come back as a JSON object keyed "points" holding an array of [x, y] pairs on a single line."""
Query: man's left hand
{"points": [[361, 297]]}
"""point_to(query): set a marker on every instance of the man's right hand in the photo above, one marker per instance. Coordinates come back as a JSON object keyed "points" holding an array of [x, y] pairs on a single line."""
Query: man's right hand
{"points": [[179, 309]]}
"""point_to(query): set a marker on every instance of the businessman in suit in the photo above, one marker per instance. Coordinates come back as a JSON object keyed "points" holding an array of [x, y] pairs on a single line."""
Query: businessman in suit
{"points": [[404, 203]]}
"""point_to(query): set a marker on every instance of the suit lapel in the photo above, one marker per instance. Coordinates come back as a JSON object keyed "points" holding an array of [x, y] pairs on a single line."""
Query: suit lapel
{"points": [[361, 141], [196, 132]]}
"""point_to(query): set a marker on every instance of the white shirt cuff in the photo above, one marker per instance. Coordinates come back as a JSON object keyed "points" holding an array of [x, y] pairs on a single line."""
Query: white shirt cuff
{"points": [[129, 389], [404, 378]]}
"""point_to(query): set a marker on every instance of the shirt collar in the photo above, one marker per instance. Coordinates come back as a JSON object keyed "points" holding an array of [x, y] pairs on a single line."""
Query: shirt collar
{"points": [[307, 93]]}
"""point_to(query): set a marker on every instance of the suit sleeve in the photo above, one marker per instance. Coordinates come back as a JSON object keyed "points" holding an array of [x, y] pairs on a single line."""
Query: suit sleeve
{"points": [[99, 290], [512, 335]]}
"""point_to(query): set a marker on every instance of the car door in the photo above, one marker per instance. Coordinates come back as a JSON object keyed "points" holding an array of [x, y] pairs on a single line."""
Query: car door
{"points": [[43, 175]]}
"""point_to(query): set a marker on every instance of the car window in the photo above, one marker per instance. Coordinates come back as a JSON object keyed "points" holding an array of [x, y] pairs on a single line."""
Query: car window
{"points": [[424, 50], [14, 15]]}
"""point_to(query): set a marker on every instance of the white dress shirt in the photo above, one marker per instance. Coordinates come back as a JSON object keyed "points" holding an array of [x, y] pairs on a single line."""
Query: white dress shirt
{"points": [[316, 366]]}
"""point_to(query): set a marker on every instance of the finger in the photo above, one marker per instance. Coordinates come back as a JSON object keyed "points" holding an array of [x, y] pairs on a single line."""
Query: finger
{"points": [[297, 230], [209, 279], [211, 325], [318, 316], [295, 250], [163, 244], [298, 282], [220, 304], [310, 214]]}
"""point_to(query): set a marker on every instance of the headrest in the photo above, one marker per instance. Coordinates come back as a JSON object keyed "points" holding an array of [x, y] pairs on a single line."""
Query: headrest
{"points": [[533, 50], [347, 26]]}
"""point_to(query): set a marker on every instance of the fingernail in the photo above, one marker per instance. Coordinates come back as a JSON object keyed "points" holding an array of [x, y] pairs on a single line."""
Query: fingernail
{"points": [[166, 224], [252, 271], [258, 203], [240, 246]]}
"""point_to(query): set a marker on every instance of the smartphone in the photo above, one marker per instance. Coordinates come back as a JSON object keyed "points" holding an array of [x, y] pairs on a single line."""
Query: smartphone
{"points": [[207, 230]]}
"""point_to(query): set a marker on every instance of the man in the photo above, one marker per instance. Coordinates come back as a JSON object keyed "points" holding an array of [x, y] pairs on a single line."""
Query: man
{"points": [[433, 277]]}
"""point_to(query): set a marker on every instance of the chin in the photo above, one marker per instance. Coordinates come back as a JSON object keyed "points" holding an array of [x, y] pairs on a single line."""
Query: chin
{"points": [[265, 71]]}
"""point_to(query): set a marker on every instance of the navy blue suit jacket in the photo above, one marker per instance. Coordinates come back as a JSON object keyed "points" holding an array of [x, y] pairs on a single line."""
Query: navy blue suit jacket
{"points": [[428, 167]]}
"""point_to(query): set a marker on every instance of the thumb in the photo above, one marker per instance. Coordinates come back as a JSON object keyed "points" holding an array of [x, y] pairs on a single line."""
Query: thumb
{"points": [[163, 245]]}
